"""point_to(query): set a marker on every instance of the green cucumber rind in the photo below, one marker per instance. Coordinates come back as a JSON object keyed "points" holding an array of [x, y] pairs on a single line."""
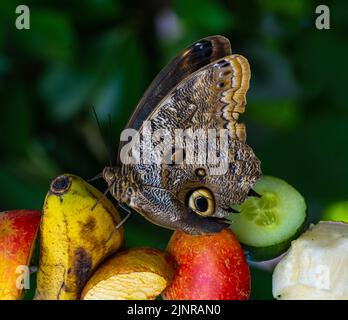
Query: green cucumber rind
{"points": [[257, 254]]}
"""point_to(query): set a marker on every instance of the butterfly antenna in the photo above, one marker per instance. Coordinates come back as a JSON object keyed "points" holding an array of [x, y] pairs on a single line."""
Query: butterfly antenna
{"points": [[98, 176], [102, 134]]}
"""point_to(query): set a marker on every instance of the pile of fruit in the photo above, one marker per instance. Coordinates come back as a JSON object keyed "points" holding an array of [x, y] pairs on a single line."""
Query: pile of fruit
{"points": [[82, 255]]}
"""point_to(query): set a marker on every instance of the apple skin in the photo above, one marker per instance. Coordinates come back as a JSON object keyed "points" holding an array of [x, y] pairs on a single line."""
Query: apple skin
{"points": [[210, 267], [18, 230]]}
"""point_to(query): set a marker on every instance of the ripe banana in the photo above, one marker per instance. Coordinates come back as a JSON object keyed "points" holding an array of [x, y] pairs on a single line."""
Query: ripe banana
{"points": [[76, 234], [316, 266]]}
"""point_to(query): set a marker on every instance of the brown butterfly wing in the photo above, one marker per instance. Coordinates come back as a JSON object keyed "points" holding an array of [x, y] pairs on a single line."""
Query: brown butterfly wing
{"points": [[193, 58], [212, 96]]}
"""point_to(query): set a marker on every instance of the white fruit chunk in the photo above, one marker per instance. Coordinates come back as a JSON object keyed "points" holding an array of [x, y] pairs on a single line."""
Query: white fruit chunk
{"points": [[316, 266]]}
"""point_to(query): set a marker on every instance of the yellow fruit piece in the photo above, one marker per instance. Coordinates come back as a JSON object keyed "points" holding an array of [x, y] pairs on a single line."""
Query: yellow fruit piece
{"points": [[76, 235], [134, 274]]}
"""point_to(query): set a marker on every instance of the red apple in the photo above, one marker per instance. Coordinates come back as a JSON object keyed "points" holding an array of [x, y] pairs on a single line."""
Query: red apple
{"points": [[210, 267], [18, 230]]}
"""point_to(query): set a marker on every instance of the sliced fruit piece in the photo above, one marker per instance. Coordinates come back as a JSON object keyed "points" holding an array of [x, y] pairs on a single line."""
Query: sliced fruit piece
{"points": [[210, 267], [18, 230], [266, 225], [316, 265], [78, 231], [134, 274]]}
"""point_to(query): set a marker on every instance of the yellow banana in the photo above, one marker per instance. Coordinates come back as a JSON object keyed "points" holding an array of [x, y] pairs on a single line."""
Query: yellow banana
{"points": [[76, 234]]}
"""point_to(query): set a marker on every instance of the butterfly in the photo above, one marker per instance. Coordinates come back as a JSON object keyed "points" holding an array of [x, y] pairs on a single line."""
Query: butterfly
{"points": [[202, 89]]}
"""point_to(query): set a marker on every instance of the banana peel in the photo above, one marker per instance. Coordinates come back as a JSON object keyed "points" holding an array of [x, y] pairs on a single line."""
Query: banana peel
{"points": [[77, 232]]}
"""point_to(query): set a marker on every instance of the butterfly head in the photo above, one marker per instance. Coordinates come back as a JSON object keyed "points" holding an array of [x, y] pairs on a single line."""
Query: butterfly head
{"points": [[110, 175], [122, 187]]}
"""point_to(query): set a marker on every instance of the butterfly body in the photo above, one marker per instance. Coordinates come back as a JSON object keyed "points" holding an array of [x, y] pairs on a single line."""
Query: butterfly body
{"points": [[199, 95]]}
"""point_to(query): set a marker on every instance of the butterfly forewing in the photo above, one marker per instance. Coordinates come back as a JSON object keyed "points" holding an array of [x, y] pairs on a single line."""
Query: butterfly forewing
{"points": [[212, 97], [193, 58]]}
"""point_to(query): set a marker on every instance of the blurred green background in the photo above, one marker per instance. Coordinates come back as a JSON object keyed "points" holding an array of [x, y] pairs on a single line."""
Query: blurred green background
{"points": [[103, 54]]}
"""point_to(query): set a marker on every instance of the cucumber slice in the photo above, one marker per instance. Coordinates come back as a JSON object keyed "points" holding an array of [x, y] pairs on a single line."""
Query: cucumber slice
{"points": [[266, 226]]}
